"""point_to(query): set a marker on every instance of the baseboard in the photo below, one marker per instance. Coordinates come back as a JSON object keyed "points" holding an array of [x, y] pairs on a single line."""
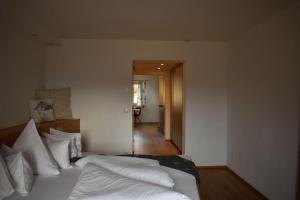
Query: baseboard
{"points": [[240, 179], [213, 167], [260, 195], [146, 123]]}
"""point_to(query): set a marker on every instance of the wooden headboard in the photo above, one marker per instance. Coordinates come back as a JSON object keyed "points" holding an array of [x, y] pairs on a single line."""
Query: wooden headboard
{"points": [[9, 135]]}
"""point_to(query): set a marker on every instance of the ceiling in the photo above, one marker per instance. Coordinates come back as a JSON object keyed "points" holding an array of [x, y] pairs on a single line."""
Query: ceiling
{"points": [[153, 66], [184, 20]]}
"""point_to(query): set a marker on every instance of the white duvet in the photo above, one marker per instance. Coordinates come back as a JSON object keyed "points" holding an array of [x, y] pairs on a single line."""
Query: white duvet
{"points": [[142, 169], [97, 183]]}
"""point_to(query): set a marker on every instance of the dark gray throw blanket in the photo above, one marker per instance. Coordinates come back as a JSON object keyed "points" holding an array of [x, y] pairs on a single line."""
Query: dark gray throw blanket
{"points": [[175, 162]]}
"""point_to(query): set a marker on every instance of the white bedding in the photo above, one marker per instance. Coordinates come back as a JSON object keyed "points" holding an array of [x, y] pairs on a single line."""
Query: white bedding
{"points": [[135, 168], [98, 183], [60, 187]]}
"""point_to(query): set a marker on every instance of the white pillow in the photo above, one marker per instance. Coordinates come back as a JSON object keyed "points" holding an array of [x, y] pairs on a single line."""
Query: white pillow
{"points": [[20, 172], [60, 151], [35, 152], [6, 150], [76, 135], [70, 138], [19, 169], [6, 188]]}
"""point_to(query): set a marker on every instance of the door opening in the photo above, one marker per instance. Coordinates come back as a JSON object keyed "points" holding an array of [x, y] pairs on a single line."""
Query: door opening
{"points": [[158, 107]]}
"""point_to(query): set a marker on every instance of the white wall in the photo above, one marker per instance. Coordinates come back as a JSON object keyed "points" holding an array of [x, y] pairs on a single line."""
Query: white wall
{"points": [[263, 119], [22, 70], [150, 111], [99, 71]]}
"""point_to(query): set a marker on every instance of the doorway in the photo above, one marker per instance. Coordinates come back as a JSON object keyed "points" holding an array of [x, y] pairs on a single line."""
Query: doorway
{"points": [[158, 107]]}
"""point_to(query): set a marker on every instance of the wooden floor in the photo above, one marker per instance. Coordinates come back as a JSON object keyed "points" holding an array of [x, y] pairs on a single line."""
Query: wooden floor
{"points": [[148, 139], [221, 184], [215, 184]]}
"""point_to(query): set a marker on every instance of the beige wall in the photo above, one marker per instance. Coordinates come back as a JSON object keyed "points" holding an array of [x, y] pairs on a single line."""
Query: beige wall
{"points": [[22, 70], [100, 72], [263, 118]]}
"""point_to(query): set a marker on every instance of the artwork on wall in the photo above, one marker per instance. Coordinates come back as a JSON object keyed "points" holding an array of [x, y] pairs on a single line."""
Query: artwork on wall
{"points": [[41, 110]]}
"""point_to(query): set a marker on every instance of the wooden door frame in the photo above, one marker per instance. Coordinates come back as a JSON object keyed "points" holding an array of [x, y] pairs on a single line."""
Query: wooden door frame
{"points": [[183, 62], [298, 184], [298, 181], [183, 65]]}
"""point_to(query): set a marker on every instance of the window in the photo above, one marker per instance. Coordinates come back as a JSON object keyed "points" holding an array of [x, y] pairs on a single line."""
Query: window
{"points": [[137, 94]]}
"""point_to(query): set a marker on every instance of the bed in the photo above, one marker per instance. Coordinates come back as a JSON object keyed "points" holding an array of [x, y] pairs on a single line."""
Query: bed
{"points": [[60, 187]]}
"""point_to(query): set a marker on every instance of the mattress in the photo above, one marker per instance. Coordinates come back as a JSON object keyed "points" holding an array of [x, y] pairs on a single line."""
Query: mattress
{"points": [[59, 187]]}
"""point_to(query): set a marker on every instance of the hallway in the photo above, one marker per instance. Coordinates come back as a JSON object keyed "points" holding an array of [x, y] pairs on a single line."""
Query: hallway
{"points": [[148, 139]]}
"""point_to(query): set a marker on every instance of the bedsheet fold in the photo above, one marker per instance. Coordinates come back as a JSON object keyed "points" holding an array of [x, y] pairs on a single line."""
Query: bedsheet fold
{"points": [[97, 183]]}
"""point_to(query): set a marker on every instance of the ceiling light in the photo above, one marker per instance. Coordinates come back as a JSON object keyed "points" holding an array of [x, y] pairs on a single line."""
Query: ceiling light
{"points": [[158, 68], [162, 64]]}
